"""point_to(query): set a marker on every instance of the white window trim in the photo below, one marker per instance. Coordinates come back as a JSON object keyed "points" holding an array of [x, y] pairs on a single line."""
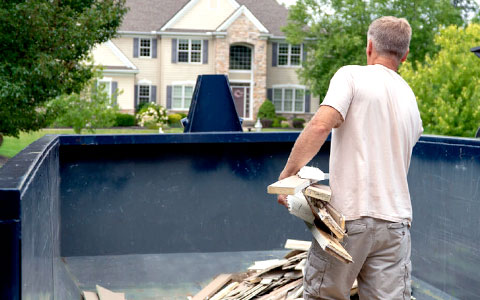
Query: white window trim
{"points": [[189, 51], [149, 92], [293, 87], [140, 47], [183, 85], [289, 56], [109, 81]]}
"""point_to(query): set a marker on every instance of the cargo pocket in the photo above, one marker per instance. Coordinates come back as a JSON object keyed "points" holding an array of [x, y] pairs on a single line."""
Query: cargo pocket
{"points": [[408, 281], [314, 273], [355, 228]]}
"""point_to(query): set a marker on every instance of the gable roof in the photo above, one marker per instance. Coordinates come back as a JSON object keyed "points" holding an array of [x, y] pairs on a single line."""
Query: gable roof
{"points": [[242, 10], [151, 15]]}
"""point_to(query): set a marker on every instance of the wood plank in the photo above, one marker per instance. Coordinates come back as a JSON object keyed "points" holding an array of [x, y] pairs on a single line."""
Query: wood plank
{"points": [[297, 245], [336, 215], [330, 222], [104, 294], [90, 295], [222, 293], [213, 287], [282, 292], [267, 264], [329, 244], [319, 191], [288, 186]]}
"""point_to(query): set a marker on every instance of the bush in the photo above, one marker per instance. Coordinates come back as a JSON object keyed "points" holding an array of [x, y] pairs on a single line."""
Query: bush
{"points": [[284, 124], [298, 122], [152, 116], [267, 111], [184, 115], [174, 120], [277, 122], [266, 123], [124, 120]]}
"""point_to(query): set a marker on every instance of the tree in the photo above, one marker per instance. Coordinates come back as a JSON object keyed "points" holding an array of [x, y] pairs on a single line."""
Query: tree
{"points": [[44, 45], [447, 84], [334, 31], [90, 109]]}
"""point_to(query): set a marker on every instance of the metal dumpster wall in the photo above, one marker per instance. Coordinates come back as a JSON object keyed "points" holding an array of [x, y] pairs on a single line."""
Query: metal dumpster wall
{"points": [[444, 181], [174, 193], [29, 205]]}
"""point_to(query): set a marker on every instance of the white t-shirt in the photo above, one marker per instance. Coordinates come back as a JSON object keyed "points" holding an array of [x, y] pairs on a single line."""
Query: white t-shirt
{"points": [[370, 152]]}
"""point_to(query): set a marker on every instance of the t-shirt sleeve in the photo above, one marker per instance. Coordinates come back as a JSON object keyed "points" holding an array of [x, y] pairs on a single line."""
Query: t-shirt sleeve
{"points": [[340, 91]]}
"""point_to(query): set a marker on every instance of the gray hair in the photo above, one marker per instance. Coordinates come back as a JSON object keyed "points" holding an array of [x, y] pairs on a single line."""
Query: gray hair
{"points": [[390, 36]]}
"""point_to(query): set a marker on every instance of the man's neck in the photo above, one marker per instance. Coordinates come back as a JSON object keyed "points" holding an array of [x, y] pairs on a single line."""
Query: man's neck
{"points": [[384, 61]]}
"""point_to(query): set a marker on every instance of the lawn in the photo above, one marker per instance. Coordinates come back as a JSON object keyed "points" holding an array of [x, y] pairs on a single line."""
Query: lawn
{"points": [[11, 146]]}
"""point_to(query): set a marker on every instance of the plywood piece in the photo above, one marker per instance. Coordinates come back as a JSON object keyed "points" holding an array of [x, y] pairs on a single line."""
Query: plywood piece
{"points": [[104, 294], [90, 295], [336, 215], [213, 287], [266, 264], [225, 291], [288, 186], [329, 244], [280, 293], [330, 222], [297, 245], [319, 191]]}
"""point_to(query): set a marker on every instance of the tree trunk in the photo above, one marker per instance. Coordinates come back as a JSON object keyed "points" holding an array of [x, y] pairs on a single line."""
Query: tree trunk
{"points": [[1, 139]]}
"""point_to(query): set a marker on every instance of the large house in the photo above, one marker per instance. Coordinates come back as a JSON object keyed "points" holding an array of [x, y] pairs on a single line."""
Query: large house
{"points": [[163, 45]]}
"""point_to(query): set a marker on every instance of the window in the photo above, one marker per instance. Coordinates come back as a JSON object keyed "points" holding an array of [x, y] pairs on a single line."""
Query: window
{"points": [[240, 58], [145, 47], [289, 55], [182, 96], [105, 86], [189, 51], [143, 93], [289, 99]]}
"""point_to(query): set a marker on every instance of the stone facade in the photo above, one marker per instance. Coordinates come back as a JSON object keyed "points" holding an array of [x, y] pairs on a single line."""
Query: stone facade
{"points": [[243, 31]]}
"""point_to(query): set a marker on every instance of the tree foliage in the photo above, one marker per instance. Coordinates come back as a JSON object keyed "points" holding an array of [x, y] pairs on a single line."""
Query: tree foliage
{"points": [[43, 45], [334, 31], [447, 84], [90, 109]]}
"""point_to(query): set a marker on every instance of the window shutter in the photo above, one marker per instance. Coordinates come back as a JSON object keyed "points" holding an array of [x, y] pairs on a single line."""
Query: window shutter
{"points": [[270, 94], [154, 48], [153, 93], [307, 101], [135, 97], [114, 92], [135, 47], [169, 97], [274, 54], [174, 51], [205, 51], [304, 53]]}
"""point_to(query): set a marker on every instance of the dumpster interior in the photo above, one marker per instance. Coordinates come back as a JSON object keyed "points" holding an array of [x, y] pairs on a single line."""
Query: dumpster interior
{"points": [[158, 216]]}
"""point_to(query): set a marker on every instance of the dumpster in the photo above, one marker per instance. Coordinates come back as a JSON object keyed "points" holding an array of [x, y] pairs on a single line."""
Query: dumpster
{"points": [[157, 216]]}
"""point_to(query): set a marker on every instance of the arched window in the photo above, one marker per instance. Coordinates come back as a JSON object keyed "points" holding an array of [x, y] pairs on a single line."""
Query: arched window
{"points": [[240, 57]]}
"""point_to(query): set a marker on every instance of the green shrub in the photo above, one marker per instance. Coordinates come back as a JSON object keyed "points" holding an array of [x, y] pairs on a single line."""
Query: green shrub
{"points": [[266, 123], [298, 122], [152, 116], [267, 111], [184, 115], [284, 124], [174, 120], [124, 120]]}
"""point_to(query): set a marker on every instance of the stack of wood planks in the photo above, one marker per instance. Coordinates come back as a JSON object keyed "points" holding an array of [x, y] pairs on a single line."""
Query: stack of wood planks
{"points": [[310, 201], [102, 294], [272, 279]]}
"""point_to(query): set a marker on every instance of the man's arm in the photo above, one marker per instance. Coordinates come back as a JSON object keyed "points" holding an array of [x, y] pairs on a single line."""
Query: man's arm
{"points": [[310, 141]]}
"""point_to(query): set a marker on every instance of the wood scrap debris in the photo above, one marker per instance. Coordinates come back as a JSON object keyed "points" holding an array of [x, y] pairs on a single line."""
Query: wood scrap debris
{"points": [[103, 294], [310, 202], [272, 279]]}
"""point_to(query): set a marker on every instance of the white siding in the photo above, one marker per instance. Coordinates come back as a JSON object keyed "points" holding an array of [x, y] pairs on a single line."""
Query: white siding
{"points": [[205, 14]]}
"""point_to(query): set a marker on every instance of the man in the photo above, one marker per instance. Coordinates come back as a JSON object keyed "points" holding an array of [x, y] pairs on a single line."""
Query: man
{"points": [[376, 122]]}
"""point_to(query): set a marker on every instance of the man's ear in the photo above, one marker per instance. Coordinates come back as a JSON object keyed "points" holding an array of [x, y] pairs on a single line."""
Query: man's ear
{"points": [[404, 58], [369, 47]]}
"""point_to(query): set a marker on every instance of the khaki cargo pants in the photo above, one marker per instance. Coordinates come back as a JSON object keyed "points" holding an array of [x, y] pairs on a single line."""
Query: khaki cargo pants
{"points": [[381, 255]]}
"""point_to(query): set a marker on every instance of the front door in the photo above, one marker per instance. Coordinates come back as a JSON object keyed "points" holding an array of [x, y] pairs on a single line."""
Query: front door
{"points": [[241, 97]]}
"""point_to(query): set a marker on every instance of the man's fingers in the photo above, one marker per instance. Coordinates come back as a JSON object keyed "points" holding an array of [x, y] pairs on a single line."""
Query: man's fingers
{"points": [[282, 199]]}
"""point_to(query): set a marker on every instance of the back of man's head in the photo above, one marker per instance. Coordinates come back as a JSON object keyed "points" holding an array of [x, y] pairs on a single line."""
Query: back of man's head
{"points": [[390, 36]]}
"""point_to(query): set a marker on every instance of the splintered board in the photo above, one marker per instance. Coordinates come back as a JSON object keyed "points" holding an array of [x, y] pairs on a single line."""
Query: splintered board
{"points": [[330, 222], [329, 244], [288, 186], [336, 215], [319, 191]]}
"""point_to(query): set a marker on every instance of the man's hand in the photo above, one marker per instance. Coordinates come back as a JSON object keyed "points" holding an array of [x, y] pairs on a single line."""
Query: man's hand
{"points": [[282, 199]]}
